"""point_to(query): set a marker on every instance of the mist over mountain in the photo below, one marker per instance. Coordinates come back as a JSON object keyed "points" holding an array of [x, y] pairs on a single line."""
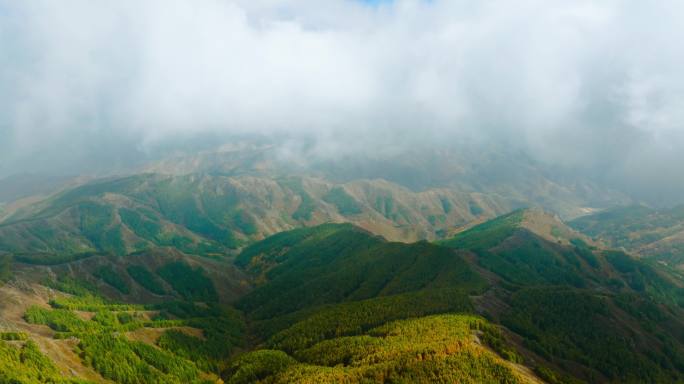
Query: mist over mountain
{"points": [[591, 88], [341, 191]]}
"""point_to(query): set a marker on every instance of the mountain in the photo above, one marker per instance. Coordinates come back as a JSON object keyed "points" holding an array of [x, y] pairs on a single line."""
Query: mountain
{"points": [[215, 201], [657, 234], [82, 318], [499, 173], [335, 263], [530, 246], [522, 298], [222, 201], [579, 303], [147, 277], [211, 215], [581, 311]]}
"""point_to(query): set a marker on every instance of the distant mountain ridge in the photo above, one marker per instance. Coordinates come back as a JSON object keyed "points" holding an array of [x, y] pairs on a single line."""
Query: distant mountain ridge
{"points": [[500, 173], [213, 201], [203, 213]]}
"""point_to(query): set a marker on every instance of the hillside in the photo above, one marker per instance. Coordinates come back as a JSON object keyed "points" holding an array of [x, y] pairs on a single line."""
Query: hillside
{"points": [[502, 269], [653, 233], [214, 201], [434, 349], [517, 249], [54, 336], [518, 299], [212, 215], [550, 288], [179, 332], [148, 277], [84, 337], [337, 263]]}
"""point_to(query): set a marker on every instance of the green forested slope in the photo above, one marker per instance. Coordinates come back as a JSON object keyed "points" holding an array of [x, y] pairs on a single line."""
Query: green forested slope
{"points": [[565, 299], [337, 262], [590, 332], [435, 349], [516, 299], [573, 304]]}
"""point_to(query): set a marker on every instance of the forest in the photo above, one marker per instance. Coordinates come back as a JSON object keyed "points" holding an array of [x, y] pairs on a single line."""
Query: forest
{"points": [[497, 303]]}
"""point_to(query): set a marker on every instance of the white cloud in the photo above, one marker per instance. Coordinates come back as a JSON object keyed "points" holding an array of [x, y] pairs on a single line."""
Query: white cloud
{"points": [[592, 84]]}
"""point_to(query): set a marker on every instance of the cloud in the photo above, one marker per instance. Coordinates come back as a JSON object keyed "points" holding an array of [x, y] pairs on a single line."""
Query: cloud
{"points": [[592, 85]]}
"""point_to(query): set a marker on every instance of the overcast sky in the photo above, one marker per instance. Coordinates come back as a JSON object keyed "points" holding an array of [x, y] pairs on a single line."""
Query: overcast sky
{"points": [[594, 85]]}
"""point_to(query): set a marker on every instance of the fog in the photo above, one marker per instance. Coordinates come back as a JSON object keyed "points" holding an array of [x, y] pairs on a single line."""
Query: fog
{"points": [[594, 87]]}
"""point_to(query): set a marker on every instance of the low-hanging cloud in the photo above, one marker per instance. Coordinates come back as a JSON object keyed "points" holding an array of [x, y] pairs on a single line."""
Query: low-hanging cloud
{"points": [[597, 86]]}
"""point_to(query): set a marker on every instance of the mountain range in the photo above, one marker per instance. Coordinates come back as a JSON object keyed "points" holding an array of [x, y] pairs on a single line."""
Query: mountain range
{"points": [[521, 298], [231, 267]]}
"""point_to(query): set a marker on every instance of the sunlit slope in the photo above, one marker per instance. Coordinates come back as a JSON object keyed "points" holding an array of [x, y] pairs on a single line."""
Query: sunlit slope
{"points": [[435, 349], [86, 337], [521, 251]]}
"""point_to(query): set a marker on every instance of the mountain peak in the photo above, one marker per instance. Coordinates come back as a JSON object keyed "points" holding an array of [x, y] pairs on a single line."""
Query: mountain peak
{"points": [[548, 226], [537, 221]]}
